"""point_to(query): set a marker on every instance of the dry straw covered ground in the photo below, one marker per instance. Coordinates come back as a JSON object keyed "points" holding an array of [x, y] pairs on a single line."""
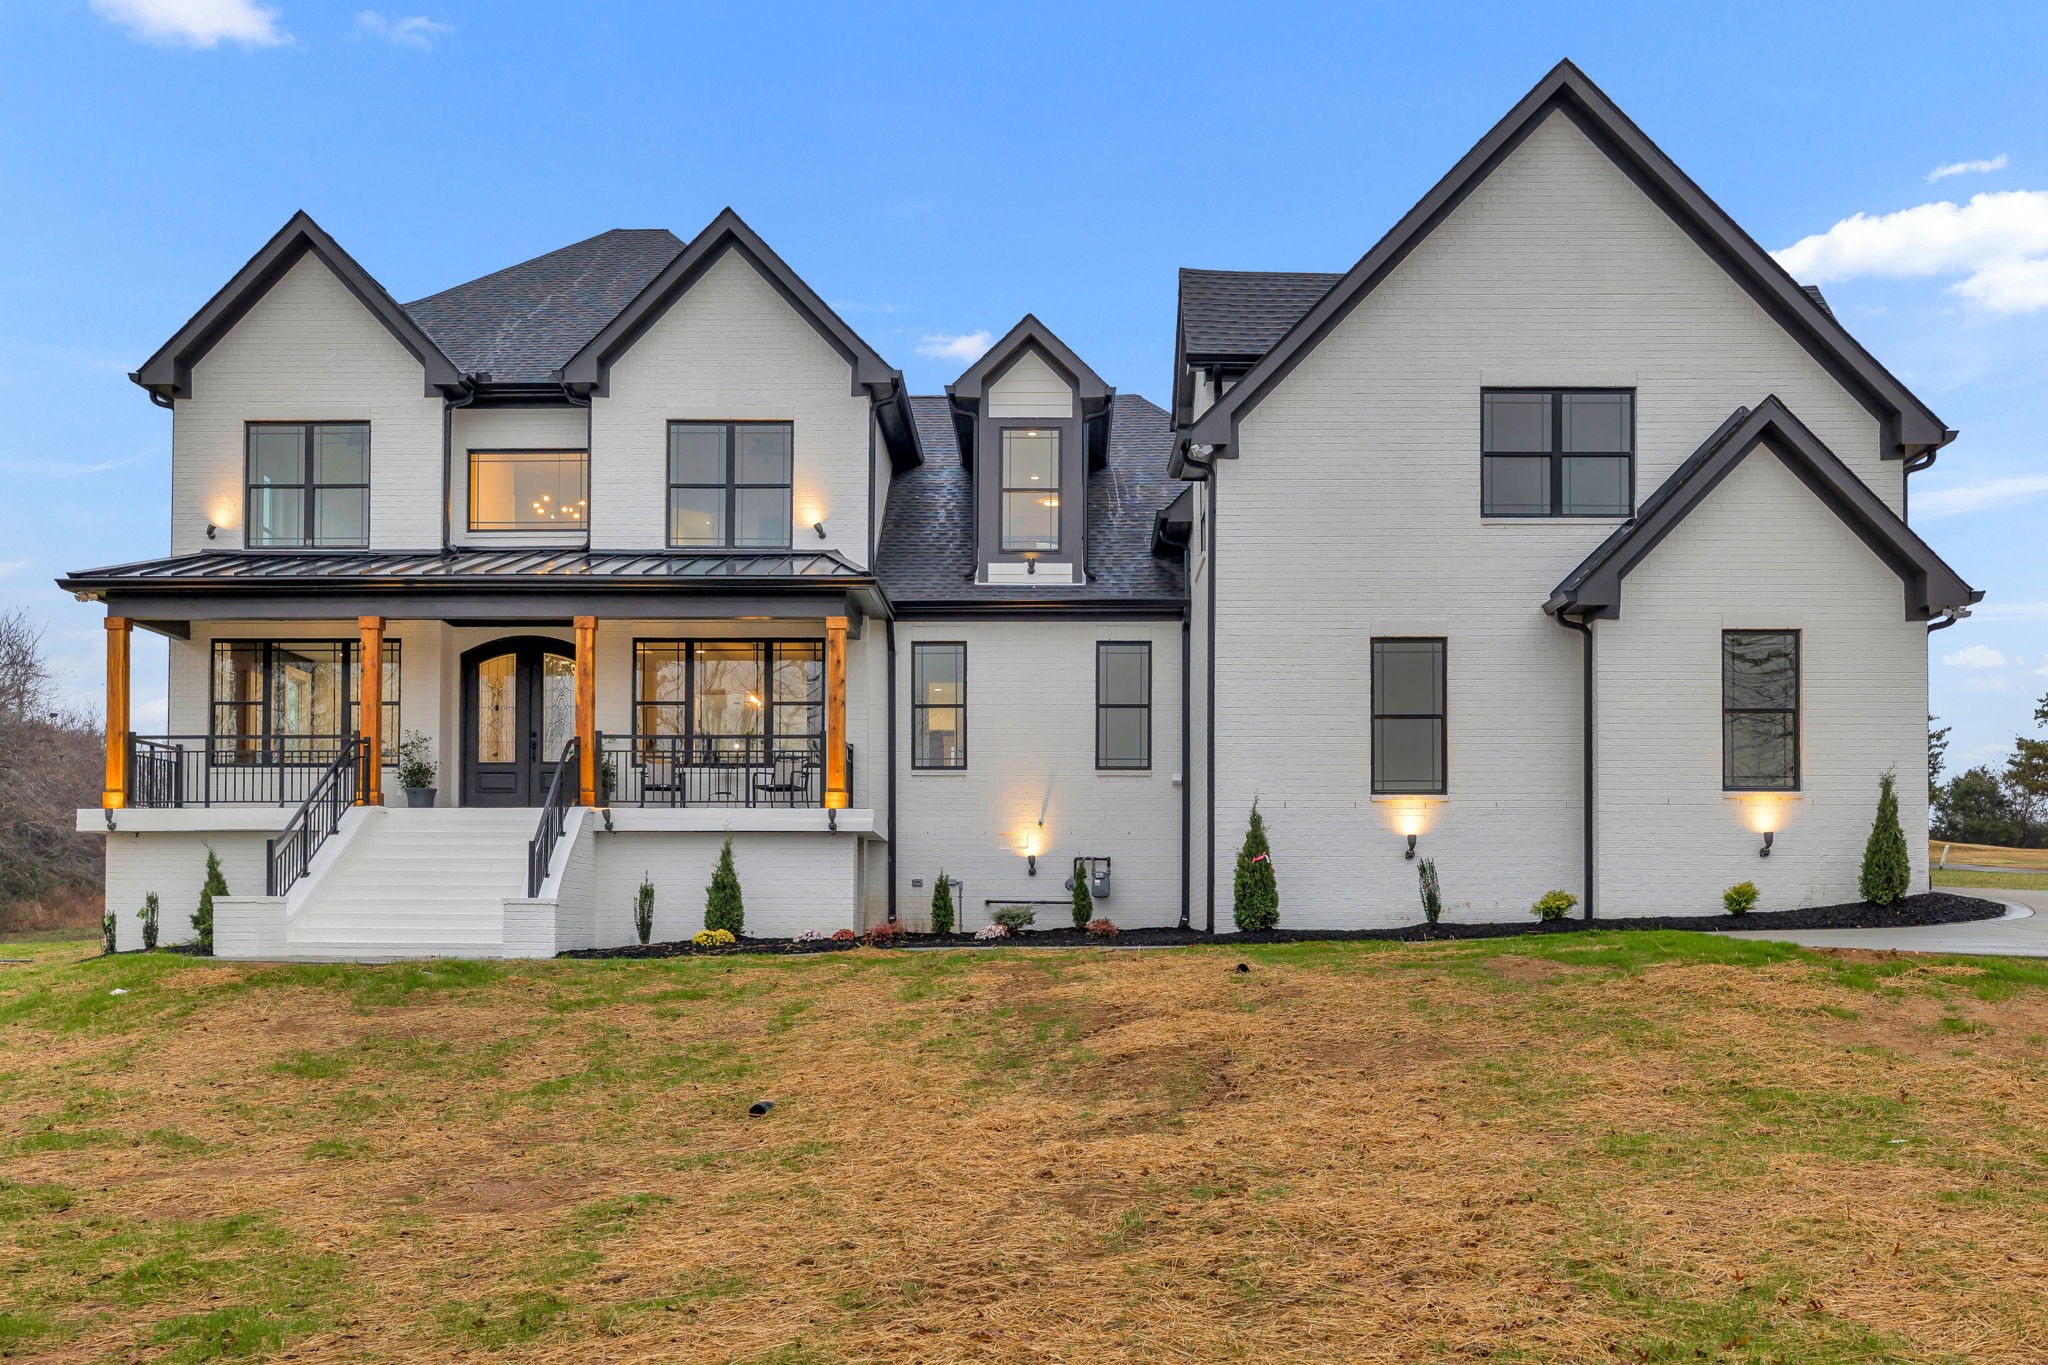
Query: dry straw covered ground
{"points": [[1621, 1147]]}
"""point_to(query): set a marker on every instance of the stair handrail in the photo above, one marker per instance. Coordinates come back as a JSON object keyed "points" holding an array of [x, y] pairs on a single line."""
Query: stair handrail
{"points": [[287, 857], [554, 819]]}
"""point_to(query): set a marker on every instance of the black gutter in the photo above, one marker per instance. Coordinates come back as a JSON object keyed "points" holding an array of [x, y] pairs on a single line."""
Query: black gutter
{"points": [[1209, 757], [448, 406], [889, 629], [1585, 629], [1167, 608]]}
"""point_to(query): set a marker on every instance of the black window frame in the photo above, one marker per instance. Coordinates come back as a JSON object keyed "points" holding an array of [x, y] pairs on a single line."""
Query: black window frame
{"points": [[579, 525], [1051, 427], [708, 745], [1557, 454], [308, 487], [221, 746], [918, 704], [732, 485], [1795, 710], [1441, 716], [1101, 706]]}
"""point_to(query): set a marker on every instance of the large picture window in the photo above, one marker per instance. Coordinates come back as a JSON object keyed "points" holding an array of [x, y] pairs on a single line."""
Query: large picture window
{"points": [[1556, 453], [1408, 737], [1123, 704], [938, 706], [728, 697], [1760, 710], [729, 484], [529, 490], [1031, 488], [305, 691], [308, 485]]}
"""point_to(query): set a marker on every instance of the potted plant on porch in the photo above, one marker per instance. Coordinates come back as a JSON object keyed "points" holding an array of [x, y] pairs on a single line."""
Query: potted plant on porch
{"points": [[416, 768]]}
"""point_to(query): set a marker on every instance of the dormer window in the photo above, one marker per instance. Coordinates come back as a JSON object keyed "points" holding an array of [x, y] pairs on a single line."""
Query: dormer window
{"points": [[729, 484], [1031, 489]]}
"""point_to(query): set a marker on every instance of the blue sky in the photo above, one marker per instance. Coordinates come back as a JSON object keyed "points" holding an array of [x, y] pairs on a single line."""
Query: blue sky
{"points": [[936, 171]]}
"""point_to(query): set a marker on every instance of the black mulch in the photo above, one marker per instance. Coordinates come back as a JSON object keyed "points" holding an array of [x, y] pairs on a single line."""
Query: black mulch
{"points": [[1935, 907]]}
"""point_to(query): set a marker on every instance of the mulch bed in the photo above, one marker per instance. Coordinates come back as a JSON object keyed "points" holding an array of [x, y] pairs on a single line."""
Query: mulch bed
{"points": [[1935, 907]]}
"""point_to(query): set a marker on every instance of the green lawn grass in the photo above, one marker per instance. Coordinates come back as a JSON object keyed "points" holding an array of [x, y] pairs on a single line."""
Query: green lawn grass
{"points": [[2009, 881]]}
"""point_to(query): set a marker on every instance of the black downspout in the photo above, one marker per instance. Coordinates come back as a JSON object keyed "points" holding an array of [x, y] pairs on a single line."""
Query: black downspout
{"points": [[589, 418], [1186, 689], [448, 407], [1208, 520], [1585, 629], [889, 629]]}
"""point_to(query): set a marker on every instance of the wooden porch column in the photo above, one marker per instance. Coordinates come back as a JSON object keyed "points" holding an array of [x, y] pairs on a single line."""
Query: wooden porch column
{"points": [[119, 631], [586, 710], [835, 713], [370, 708]]}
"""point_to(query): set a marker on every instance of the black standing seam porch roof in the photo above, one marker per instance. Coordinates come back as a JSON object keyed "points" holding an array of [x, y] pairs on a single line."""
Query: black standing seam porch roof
{"points": [[495, 568]]}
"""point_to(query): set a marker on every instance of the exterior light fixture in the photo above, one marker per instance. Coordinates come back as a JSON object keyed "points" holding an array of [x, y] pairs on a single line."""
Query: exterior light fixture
{"points": [[211, 530], [1030, 562], [819, 527], [1765, 851], [1031, 864], [1411, 848]]}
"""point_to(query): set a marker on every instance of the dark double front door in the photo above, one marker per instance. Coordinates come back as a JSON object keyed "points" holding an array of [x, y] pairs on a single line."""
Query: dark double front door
{"points": [[518, 713]]}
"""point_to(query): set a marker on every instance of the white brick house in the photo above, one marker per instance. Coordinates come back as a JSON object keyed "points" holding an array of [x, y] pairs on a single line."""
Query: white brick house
{"points": [[653, 548]]}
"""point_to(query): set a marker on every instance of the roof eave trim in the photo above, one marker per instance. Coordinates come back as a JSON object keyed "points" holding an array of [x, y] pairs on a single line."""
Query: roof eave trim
{"points": [[168, 373], [589, 370], [1568, 88], [971, 386]]}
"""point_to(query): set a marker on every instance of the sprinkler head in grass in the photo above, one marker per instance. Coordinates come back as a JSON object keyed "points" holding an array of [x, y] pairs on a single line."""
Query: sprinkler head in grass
{"points": [[760, 1107], [1243, 967]]}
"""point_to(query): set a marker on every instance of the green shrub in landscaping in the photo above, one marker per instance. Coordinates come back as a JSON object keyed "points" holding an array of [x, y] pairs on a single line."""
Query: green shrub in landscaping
{"points": [[147, 914], [1084, 899], [1740, 898], [1255, 893], [1432, 893], [942, 905], [723, 907], [216, 885], [1015, 918], [1554, 905], [643, 909], [1887, 869]]}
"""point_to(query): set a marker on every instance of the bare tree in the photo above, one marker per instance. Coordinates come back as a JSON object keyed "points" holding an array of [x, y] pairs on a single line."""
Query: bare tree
{"points": [[49, 768]]}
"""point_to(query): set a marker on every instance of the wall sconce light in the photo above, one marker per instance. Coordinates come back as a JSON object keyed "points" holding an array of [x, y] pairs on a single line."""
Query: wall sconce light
{"points": [[1031, 563], [1765, 851], [211, 530], [1031, 864], [1411, 847], [819, 527]]}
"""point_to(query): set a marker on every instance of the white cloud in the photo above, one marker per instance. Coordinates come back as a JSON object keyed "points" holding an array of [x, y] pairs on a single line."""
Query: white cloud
{"points": [[967, 346], [1997, 242], [195, 23], [1996, 163], [12, 566], [415, 31], [1995, 610], [1977, 497], [1977, 656]]}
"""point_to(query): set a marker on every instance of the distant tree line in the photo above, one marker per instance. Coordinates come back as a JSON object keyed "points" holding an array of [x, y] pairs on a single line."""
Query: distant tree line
{"points": [[50, 760], [1987, 805]]}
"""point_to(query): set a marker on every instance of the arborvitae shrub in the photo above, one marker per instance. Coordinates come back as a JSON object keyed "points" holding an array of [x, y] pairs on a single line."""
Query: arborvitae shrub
{"points": [[216, 885], [942, 905], [723, 907], [1255, 894], [147, 914], [643, 909], [1887, 867], [1084, 899], [1432, 893]]}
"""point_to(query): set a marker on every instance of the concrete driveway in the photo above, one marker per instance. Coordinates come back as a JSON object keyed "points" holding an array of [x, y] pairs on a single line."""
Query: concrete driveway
{"points": [[2023, 932]]}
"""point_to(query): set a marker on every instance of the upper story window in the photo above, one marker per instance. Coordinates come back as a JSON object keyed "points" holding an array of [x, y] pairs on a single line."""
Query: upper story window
{"points": [[1031, 488], [938, 706], [1557, 453], [529, 490], [308, 485], [1760, 710], [1123, 704], [729, 484], [1408, 738]]}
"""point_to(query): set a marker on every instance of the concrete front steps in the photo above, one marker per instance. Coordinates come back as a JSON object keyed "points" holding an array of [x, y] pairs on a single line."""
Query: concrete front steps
{"points": [[416, 883]]}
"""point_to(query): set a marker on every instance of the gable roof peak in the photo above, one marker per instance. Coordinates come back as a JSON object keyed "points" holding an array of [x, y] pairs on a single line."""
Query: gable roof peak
{"points": [[1030, 334]]}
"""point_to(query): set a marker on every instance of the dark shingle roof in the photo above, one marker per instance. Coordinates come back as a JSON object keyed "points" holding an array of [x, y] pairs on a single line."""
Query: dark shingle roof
{"points": [[522, 323], [1243, 312], [927, 548]]}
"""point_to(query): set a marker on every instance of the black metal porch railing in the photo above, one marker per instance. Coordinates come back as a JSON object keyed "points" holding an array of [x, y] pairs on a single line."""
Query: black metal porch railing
{"points": [[554, 816], [168, 771], [702, 770], [333, 792]]}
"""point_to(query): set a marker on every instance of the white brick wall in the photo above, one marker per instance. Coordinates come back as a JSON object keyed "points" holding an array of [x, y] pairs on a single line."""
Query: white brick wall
{"points": [[790, 882], [730, 349], [1761, 553], [563, 428], [1354, 512], [174, 866], [308, 351], [1031, 746]]}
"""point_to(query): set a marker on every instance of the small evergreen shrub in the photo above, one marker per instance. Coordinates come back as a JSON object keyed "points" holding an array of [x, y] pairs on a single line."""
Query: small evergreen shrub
{"points": [[1255, 894], [942, 905], [723, 907], [1101, 928], [147, 914], [1887, 868], [1084, 899], [643, 909], [1015, 918], [216, 885], [109, 930], [1554, 905], [1432, 893], [1740, 898]]}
